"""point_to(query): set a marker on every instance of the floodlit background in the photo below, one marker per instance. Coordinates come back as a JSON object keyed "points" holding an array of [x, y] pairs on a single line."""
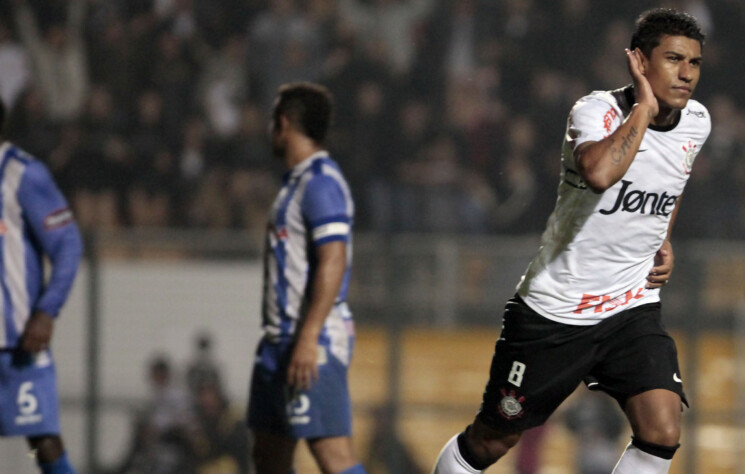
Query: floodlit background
{"points": [[152, 115]]}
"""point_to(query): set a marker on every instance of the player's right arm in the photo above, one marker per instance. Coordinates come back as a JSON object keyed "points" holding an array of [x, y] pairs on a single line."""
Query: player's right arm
{"points": [[52, 223], [603, 163]]}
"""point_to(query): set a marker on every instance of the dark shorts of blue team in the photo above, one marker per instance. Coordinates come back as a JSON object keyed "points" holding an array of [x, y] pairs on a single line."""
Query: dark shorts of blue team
{"points": [[28, 394], [274, 407], [624, 355]]}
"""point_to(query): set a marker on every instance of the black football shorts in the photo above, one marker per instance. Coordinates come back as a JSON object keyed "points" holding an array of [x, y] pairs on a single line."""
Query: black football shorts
{"points": [[538, 363]]}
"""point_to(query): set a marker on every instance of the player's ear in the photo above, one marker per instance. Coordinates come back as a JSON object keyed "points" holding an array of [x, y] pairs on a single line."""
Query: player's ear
{"points": [[284, 123], [278, 124]]}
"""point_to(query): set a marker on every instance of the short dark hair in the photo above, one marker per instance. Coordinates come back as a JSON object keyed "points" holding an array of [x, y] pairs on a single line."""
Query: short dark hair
{"points": [[653, 24], [308, 106]]}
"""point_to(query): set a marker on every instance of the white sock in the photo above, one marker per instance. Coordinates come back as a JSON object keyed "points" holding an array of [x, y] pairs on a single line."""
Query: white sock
{"points": [[636, 461], [450, 461]]}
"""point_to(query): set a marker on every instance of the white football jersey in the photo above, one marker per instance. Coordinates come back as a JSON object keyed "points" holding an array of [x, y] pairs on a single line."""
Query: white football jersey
{"points": [[597, 249]]}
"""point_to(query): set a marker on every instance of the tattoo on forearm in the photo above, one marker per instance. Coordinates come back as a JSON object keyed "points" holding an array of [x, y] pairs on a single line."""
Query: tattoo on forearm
{"points": [[618, 153]]}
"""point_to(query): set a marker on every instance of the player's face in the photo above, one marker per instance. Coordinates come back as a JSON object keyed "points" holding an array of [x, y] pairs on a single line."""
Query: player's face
{"points": [[673, 70]]}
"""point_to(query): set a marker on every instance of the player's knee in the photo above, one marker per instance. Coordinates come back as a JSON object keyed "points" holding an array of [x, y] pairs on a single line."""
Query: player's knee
{"points": [[666, 434], [333, 454]]}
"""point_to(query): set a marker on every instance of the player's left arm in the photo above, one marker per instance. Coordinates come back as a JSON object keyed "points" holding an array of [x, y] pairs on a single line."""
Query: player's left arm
{"points": [[53, 226], [328, 214], [664, 259]]}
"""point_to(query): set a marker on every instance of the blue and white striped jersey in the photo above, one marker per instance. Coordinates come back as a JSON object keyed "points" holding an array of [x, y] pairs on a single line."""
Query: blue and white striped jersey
{"points": [[35, 222], [313, 207]]}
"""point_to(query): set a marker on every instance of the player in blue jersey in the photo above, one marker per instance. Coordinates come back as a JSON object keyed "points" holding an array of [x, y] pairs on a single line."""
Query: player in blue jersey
{"points": [[299, 385], [35, 223]]}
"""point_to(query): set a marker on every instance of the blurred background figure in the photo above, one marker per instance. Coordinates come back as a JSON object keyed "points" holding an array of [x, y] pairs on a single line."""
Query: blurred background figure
{"points": [[202, 369], [15, 66], [222, 442], [597, 422], [58, 55], [529, 454], [165, 430]]}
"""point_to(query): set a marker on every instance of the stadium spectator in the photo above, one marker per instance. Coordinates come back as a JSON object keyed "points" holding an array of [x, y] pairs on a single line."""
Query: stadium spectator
{"points": [[59, 57], [118, 54], [99, 165], [14, 63], [223, 87], [164, 433], [30, 126], [387, 28], [202, 369], [597, 425], [172, 75], [285, 45], [222, 440]]}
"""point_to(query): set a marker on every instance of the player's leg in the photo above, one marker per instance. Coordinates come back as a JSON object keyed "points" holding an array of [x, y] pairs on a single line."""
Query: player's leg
{"points": [[335, 455], [327, 414], [50, 454], [273, 453], [537, 363], [326, 408], [655, 417], [273, 441], [640, 369]]}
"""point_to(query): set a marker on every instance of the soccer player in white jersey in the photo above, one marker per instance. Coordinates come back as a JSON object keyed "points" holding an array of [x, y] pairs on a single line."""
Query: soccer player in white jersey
{"points": [[35, 224], [299, 385], [588, 307]]}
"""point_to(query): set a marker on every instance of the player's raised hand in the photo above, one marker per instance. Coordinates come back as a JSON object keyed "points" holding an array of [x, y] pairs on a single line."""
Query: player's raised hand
{"points": [[303, 368], [37, 333], [664, 261], [644, 94]]}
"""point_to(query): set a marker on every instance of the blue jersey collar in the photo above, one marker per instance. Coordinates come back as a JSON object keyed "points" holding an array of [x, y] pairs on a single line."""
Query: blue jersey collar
{"points": [[300, 168]]}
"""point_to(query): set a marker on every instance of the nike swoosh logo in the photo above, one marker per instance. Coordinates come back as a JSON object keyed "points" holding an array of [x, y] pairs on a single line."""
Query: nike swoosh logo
{"points": [[676, 378], [642, 151]]}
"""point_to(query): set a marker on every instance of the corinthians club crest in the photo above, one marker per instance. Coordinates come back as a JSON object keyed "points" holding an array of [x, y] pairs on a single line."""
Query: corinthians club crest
{"points": [[511, 406], [691, 150]]}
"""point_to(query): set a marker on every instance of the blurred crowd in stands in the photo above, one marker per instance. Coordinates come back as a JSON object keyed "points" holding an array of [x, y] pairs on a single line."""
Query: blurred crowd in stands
{"points": [[187, 426], [450, 114]]}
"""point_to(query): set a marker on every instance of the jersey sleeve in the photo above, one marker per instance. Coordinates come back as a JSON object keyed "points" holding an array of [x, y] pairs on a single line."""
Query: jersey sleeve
{"points": [[326, 210], [52, 224], [592, 119]]}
